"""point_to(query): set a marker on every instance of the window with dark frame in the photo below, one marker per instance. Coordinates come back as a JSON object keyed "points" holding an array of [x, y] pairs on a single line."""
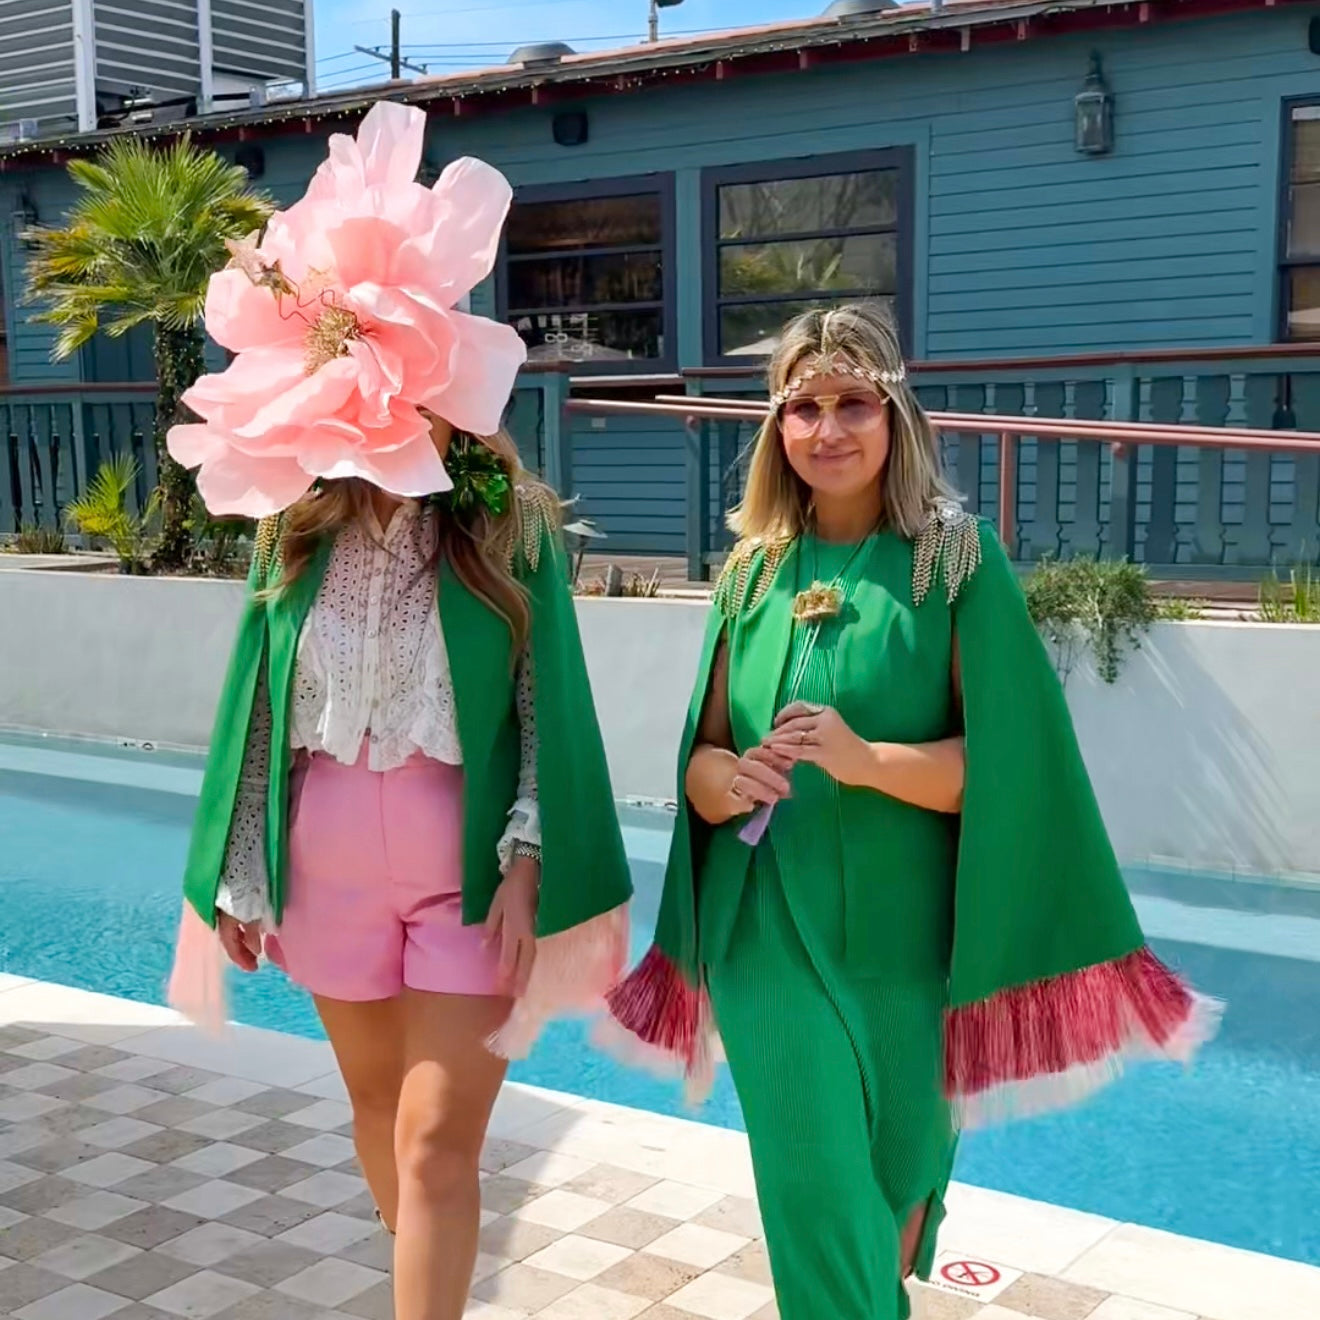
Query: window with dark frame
{"points": [[1299, 285], [783, 239], [586, 274]]}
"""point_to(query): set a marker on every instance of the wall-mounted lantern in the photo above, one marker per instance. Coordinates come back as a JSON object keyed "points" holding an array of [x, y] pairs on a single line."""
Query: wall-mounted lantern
{"points": [[1094, 110]]}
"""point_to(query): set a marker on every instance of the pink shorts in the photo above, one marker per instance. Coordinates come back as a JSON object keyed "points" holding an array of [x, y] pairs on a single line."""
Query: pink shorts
{"points": [[375, 884]]}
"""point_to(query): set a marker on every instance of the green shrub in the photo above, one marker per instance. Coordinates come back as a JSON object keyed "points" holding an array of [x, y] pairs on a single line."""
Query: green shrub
{"points": [[1105, 605], [34, 540]]}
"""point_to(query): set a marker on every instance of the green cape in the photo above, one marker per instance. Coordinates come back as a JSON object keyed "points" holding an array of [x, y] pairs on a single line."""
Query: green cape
{"points": [[584, 869], [1050, 983]]}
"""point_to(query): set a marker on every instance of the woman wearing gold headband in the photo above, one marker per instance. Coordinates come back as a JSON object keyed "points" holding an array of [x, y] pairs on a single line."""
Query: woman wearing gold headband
{"points": [[890, 889]]}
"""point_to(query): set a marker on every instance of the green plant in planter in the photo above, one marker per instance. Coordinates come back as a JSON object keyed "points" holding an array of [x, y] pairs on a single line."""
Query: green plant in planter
{"points": [[1296, 602], [34, 540], [1104, 605], [103, 514]]}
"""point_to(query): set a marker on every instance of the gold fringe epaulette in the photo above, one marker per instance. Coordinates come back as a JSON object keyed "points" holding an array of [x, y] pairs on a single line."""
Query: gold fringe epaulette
{"points": [[742, 582], [266, 544], [538, 513], [948, 546]]}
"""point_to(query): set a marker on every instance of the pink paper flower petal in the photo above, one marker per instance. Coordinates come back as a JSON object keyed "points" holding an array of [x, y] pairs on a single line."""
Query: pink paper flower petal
{"points": [[486, 365], [391, 140], [460, 248], [412, 471], [240, 486], [250, 379], [325, 392], [367, 240], [239, 315], [422, 338], [364, 248], [193, 443]]}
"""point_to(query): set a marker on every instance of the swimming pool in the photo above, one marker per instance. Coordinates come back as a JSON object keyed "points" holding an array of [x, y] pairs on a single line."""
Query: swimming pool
{"points": [[92, 841]]}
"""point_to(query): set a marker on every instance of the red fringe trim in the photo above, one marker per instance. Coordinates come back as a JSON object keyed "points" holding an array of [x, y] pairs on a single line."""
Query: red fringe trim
{"points": [[1037, 1046], [658, 1006]]}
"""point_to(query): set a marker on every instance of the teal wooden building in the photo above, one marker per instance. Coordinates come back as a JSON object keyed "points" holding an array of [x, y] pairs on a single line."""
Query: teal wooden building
{"points": [[1077, 208]]}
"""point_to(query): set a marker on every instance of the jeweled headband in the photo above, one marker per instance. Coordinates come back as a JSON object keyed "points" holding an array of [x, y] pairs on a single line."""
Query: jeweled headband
{"points": [[834, 367]]}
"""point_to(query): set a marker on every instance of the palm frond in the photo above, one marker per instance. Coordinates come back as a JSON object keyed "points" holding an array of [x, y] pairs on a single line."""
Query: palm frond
{"points": [[143, 239]]}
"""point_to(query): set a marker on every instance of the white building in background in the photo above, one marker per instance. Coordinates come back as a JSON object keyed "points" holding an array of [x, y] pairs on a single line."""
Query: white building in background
{"points": [[76, 65]]}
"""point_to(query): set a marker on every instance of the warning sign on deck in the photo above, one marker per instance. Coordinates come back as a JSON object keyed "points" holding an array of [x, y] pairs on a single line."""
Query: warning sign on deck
{"points": [[970, 1274], [966, 1276]]}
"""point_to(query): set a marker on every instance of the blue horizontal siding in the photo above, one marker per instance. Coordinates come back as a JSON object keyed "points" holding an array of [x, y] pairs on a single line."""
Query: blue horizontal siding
{"points": [[31, 343], [630, 476]]}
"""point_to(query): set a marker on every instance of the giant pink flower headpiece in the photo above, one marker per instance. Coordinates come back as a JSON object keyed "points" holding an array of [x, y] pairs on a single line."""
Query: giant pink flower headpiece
{"points": [[344, 325]]}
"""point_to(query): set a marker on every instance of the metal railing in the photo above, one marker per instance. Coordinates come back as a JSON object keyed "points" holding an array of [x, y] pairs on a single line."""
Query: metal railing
{"points": [[1210, 504], [1123, 441]]}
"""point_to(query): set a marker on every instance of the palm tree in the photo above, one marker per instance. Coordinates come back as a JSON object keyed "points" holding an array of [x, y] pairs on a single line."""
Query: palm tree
{"points": [[137, 248]]}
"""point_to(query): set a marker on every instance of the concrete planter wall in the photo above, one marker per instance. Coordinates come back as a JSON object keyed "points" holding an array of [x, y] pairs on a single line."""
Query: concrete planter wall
{"points": [[1206, 753]]}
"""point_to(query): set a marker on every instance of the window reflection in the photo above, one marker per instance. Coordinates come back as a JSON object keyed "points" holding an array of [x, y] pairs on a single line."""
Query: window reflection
{"points": [[786, 245], [585, 278]]}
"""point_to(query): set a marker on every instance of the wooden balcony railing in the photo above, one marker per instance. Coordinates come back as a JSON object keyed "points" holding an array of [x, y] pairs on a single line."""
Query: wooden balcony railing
{"points": [[1203, 465], [1122, 441], [1186, 510]]}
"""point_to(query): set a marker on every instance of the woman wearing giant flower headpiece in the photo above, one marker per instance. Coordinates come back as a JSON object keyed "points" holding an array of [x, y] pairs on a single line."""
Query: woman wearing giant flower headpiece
{"points": [[377, 814], [890, 889]]}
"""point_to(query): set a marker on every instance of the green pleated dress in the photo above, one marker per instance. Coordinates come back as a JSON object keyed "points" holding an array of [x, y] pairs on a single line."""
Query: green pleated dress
{"points": [[838, 1067]]}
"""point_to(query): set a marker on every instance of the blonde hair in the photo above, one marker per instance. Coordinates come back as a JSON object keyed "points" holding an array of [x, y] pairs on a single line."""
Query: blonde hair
{"points": [[776, 502], [477, 549]]}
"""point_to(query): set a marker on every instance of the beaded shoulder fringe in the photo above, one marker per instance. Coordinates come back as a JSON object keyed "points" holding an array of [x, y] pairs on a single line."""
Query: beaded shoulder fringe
{"points": [[742, 582], [538, 513], [948, 546], [266, 544]]}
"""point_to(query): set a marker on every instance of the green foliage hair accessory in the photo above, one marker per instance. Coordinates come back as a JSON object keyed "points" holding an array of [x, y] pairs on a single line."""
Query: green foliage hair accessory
{"points": [[481, 480]]}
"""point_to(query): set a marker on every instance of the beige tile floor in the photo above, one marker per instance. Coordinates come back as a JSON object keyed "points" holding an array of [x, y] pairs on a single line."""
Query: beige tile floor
{"points": [[149, 1173]]}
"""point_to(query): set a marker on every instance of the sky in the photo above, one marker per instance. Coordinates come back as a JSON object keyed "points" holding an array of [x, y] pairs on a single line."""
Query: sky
{"points": [[450, 35]]}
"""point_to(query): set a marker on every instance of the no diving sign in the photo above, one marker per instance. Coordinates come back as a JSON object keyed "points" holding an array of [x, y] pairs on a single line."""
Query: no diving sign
{"points": [[970, 1274], [965, 1276]]}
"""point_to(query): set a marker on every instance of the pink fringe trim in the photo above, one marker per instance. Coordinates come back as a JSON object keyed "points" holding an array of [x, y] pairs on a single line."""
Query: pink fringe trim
{"points": [[573, 972], [197, 982], [1051, 1044], [660, 1023]]}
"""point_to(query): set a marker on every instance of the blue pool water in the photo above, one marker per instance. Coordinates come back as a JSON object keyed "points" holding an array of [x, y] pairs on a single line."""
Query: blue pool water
{"points": [[92, 842]]}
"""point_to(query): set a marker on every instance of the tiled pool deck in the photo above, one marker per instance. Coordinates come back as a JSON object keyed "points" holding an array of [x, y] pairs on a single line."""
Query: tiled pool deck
{"points": [[147, 1172]]}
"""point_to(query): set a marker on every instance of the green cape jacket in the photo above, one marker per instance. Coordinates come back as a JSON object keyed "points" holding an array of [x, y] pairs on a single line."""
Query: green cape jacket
{"points": [[1050, 983], [584, 869]]}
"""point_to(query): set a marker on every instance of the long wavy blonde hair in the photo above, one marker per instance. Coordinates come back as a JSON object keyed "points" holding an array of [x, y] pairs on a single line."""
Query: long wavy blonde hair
{"points": [[777, 502], [476, 548]]}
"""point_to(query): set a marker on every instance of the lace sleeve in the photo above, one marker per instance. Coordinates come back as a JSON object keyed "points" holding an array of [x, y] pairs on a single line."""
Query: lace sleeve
{"points": [[244, 884], [525, 817]]}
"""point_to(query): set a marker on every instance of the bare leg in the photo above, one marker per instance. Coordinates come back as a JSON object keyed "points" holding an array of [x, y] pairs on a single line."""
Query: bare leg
{"points": [[450, 1083], [368, 1040]]}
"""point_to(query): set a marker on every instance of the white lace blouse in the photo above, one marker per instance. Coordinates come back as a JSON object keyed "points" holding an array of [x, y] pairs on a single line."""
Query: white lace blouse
{"points": [[371, 668]]}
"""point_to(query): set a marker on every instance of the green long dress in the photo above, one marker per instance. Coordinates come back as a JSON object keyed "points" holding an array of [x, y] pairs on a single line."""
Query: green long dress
{"points": [[831, 1064], [881, 974]]}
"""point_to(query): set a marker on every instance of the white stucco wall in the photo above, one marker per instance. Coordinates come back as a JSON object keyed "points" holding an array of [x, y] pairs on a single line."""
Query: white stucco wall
{"points": [[1205, 753]]}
